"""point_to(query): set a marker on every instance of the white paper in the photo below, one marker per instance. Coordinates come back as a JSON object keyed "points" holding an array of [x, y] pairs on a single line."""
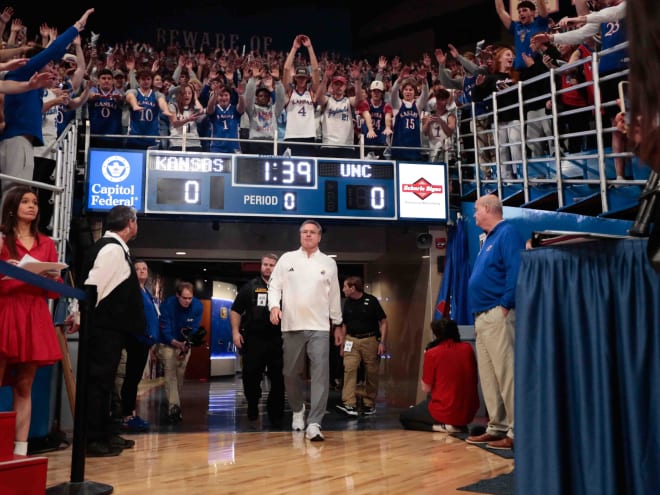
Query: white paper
{"points": [[35, 266]]}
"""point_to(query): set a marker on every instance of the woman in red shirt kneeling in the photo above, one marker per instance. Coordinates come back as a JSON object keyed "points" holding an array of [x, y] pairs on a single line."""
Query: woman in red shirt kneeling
{"points": [[450, 380]]}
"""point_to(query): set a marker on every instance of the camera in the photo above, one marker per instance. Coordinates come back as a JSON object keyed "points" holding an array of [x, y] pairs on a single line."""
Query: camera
{"points": [[192, 338]]}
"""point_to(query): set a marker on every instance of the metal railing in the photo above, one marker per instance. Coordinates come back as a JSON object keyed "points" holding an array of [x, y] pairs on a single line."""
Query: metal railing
{"points": [[62, 189], [479, 173]]}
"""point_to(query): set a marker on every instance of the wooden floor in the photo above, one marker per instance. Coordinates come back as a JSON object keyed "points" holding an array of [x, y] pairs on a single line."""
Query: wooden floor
{"points": [[215, 450]]}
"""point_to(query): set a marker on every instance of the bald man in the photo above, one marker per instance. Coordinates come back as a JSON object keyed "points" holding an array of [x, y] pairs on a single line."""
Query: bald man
{"points": [[491, 292]]}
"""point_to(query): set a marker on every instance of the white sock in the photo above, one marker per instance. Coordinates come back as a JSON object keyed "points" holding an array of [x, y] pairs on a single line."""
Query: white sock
{"points": [[20, 448], [620, 177]]}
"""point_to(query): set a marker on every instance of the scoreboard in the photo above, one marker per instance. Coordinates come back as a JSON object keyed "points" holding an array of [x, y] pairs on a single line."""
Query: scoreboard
{"points": [[214, 184]]}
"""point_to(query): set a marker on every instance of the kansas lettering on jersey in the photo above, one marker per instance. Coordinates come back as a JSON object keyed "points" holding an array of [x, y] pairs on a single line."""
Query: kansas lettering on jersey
{"points": [[407, 131], [144, 122], [262, 123], [105, 112], [224, 124], [300, 120]]}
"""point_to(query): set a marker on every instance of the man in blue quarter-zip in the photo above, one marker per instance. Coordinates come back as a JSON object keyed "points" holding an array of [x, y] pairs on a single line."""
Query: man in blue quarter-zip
{"points": [[180, 316], [491, 292]]}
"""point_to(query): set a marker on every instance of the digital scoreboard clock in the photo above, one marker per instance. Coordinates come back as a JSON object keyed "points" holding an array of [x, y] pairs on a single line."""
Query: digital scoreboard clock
{"points": [[215, 184], [247, 185]]}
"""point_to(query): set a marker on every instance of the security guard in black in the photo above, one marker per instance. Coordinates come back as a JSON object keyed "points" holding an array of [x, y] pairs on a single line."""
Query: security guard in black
{"points": [[260, 344]]}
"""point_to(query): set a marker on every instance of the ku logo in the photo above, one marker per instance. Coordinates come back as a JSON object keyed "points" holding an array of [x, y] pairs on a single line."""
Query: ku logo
{"points": [[422, 188], [115, 168]]}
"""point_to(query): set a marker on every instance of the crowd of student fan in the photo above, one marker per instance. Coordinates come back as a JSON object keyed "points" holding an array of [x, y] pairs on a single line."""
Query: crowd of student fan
{"points": [[320, 104]]}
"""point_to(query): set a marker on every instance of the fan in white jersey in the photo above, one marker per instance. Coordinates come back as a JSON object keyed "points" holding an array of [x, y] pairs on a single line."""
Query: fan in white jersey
{"points": [[337, 112], [439, 124], [301, 90]]}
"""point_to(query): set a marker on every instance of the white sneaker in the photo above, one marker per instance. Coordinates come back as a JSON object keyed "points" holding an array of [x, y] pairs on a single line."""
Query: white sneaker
{"points": [[314, 432], [298, 423], [448, 428]]}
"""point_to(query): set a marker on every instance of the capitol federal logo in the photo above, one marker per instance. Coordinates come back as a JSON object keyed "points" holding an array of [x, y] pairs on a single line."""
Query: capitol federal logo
{"points": [[116, 168]]}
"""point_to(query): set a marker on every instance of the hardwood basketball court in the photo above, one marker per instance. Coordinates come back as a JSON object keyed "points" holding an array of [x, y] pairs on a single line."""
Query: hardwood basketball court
{"points": [[216, 450]]}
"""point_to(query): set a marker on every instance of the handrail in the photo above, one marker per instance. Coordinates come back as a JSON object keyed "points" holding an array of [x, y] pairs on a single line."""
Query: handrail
{"points": [[66, 148], [474, 172]]}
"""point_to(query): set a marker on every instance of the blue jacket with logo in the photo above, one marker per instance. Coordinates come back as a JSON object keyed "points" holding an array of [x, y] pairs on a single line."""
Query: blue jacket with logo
{"points": [[174, 317], [495, 272]]}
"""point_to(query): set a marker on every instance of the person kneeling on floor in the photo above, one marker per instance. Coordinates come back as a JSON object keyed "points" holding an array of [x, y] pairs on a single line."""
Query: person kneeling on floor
{"points": [[450, 379]]}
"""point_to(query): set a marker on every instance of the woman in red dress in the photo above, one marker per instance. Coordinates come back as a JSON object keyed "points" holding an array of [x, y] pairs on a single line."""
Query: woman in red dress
{"points": [[27, 334]]}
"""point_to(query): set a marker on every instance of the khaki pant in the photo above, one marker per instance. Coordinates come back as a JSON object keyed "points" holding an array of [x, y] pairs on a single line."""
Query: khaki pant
{"points": [[361, 350], [174, 370], [16, 159], [495, 352]]}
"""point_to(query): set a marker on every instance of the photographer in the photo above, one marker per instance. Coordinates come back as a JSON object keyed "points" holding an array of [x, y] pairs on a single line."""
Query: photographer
{"points": [[180, 317], [449, 379]]}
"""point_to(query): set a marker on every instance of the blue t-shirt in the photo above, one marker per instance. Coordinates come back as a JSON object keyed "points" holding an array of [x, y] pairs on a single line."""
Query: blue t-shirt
{"points": [[522, 34]]}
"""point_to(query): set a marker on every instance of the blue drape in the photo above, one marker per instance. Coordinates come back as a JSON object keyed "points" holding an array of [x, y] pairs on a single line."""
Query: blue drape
{"points": [[588, 371], [452, 296]]}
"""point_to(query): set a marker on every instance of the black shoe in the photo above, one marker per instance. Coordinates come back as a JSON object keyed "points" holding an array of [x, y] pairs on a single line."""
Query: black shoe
{"points": [[347, 410], [174, 415], [253, 413], [122, 443], [275, 423], [102, 449], [369, 411]]}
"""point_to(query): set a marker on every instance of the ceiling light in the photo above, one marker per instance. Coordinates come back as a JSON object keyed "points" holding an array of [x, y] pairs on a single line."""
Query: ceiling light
{"points": [[180, 253]]}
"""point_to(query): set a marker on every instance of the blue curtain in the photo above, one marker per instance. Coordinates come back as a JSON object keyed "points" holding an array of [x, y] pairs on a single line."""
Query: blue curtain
{"points": [[588, 371], [452, 297]]}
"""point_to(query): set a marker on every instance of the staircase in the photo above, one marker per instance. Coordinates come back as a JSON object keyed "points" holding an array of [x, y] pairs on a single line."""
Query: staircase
{"points": [[19, 475]]}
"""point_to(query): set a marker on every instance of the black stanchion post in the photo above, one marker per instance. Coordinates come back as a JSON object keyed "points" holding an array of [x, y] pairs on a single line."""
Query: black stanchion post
{"points": [[78, 485], [647, 207]]}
